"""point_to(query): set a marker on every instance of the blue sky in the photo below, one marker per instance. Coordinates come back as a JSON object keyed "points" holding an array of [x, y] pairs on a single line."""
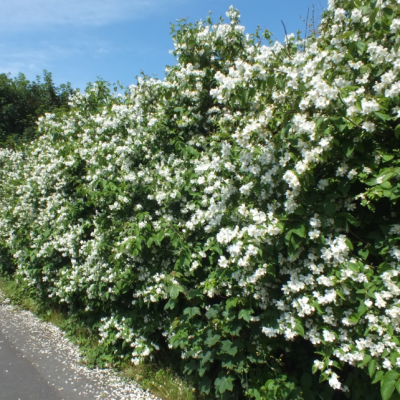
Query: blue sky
{"points": [[80, 40]]}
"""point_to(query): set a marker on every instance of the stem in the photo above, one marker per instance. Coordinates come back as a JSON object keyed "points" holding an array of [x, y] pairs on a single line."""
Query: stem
{"points": [[348, 119], [361, 240], [305, 33], [286, 35]]}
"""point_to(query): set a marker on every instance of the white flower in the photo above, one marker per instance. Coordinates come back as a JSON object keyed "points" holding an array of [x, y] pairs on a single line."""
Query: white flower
{"points": [[223, 262], [379, 302], [395, 252], [328, 336], [303, 307], [301, 167], [394, 229], [352, 174], [395, 25], [386, 364], [245, 189], [322, 184], [226, 235], [368, 303], [340, 14], [314, 234], [341, 171], [315, 222], [334, 382], [367, 170], [356, 15], [270, 332], [324, 280], [235, 249], [291, 179], [319, 365], [369, 106], [368, 126]]}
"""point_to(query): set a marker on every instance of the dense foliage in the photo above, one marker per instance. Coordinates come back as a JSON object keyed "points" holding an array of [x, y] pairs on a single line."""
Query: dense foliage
{"points": [[22, 102], [242, 212]]}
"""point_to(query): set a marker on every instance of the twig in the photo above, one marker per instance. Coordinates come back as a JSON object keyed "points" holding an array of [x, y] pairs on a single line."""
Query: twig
{"points": [[348, 119], [286, 40], [305, 33]]}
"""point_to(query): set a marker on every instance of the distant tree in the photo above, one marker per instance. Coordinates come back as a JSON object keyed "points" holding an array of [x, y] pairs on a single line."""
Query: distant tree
{"points": [[23, 101]]}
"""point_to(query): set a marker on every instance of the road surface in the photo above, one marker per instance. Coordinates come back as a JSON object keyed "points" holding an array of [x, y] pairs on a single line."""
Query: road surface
{"points": [[38, 363]]}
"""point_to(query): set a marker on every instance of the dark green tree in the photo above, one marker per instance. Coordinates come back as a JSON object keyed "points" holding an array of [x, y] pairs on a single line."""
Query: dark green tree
{"points": [[23, 101]]}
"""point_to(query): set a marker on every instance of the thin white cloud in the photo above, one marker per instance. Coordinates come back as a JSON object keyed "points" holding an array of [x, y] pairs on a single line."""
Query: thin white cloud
{"points": [[28, 14], [45, 54]]}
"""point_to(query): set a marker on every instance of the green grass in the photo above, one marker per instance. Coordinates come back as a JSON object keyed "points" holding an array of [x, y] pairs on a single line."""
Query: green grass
{"points": [[158, 377]]}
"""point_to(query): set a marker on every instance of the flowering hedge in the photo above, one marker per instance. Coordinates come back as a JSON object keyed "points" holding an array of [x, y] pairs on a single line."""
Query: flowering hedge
{"points": [[242, 211]]}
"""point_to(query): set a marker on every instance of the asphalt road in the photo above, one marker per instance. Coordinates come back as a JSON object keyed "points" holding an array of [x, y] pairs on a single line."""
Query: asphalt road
{"points": [[19, 379], [38, 363]]}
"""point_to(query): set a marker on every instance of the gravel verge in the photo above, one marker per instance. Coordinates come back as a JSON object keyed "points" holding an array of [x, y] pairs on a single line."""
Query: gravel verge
{"points": [[56, 360]]}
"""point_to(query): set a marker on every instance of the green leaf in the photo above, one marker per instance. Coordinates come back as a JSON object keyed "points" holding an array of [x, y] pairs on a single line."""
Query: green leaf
{"points": [[299, 328], [340, 294], [245, 97], [206, 357], [330, 209], [387, 11], [378, 377], [202, 370], [228, 347], [174, 291], [231, 303], [194, 293], [397, 385], [168, 94], [353, 267], [212, 340], [306, 380], [211, 313], [191, 311], [349, 244], [205, 385], [388, 384], [171, 304], [372, 16], [387, 157], [397, 132], [365, 361], [362, 309], [256, 394], [308, 396], [300, 231], [361, 46], [217, 249], [245, 314], [371, 368], [225, 383], [350, 151], [350, 218], [47, 233], [363, 253], [271, 81], [383, 117]]}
